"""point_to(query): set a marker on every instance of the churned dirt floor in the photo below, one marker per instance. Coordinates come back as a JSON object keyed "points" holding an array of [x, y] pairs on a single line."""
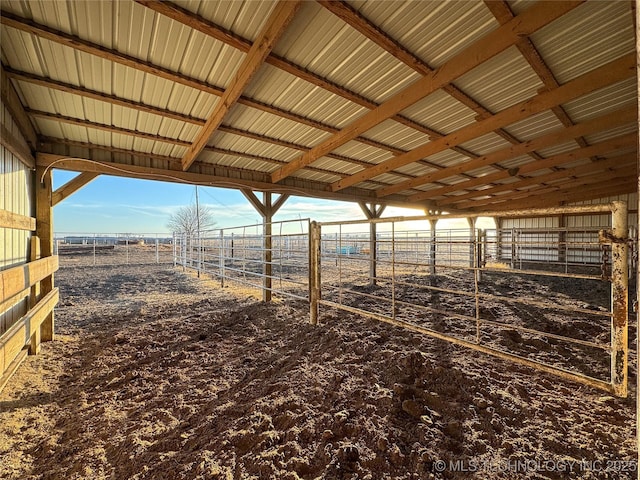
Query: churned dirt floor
{"points": [[156, 374]]}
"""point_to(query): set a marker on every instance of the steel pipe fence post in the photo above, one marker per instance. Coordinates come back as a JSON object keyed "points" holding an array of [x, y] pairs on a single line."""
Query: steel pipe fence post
{"points": [[157, 251], [619, 298], [433, 246], [315, 232], [221, 261]]}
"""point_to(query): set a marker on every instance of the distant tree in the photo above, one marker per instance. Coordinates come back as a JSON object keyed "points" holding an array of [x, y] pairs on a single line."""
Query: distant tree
{"points": [[185, 220]]}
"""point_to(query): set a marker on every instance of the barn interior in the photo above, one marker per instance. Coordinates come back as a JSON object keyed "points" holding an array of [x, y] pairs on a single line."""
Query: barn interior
{"points": [[522, 112]]}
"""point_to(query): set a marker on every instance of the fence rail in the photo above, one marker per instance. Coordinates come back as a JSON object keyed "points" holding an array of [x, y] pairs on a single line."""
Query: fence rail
{"points": [[458, 286]]}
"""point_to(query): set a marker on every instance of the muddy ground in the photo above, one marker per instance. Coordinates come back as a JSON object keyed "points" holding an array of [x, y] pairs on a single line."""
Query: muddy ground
{"points": [[155, 374]]}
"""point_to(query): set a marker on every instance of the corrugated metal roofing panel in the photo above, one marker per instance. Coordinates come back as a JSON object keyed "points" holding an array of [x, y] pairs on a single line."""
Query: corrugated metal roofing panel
{"points": [[447, 158], [434, 31], [416, 169], [363, 67], [501, 82], [558, 149], [237, 143], [337, 165], [608, 99], [441, 112], [283, 90], [245, 18], [363, 152], [485, 144], [214, 158], [615, 132], [316, 176], [397, 135], [535, 126], [587, 37], [263, 123]]}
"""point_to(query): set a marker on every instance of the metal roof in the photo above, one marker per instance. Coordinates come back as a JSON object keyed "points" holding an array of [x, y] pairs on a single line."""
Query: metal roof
{"points": [[342, 99]]}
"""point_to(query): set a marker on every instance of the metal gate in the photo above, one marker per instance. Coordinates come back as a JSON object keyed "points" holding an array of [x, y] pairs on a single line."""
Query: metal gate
{"points": [[466, 288]]}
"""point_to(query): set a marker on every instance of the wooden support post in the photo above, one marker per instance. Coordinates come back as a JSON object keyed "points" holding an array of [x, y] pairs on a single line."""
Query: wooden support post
{"points": [[314, 271], [44, 230], [267, 209], [34, 254], [372, 212]]}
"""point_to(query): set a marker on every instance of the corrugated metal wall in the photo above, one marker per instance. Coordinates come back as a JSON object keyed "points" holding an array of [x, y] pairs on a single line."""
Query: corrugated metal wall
{"points": [[537, 236], [16, 195]]}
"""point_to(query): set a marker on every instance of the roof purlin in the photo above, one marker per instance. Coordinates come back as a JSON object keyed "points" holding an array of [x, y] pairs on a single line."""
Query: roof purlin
{"points": [[487, 47]]}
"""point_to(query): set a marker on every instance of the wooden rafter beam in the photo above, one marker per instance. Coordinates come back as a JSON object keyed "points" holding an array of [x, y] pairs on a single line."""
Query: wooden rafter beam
{"points": [[72, 186], [591, 181], [352, 17], [11, 100], [501, 10], [174, 141], [17, 147], [273, 29], [462, 201], [604, 122], [138, 106], [208, 175], [603, 76], [600, 148], [489, 46], [196, 22], [615, 186], [147, 67]]}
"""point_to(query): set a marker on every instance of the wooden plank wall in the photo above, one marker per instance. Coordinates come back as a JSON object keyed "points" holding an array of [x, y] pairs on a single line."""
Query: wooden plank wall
{"points": [[16, 196]]}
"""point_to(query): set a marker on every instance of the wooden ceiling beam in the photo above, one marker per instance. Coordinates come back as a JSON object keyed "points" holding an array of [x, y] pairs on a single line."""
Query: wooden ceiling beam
{"points": [[353, 18], [501, 10], [223, 178], [600, 148], [598, 180], [601, 165], [615, 186], [12, 102], [484, 49], [605, 75], [199, 23], [17, 146], [275, 26], [72, 186], [138, 106], [604, 122]]}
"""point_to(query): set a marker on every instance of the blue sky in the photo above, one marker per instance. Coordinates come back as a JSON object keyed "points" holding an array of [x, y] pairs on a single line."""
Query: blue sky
{"points": [[122, 205]]}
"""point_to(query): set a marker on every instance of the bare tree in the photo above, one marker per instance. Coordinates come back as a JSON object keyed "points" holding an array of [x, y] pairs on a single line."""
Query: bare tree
{"points": [[185, 220]]}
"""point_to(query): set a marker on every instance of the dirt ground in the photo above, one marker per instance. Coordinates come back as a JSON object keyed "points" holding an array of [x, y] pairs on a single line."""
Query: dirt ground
{"points": [[156, 374]]}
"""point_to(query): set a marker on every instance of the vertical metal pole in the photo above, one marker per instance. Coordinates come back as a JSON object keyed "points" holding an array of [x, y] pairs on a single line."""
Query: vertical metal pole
{"points": [[393, 270], [267, 245], [373, 247], [637, 243], [472, 241], [175, 239], [619, 299], [513, 248], [433, 246], [498, 222], [94, 250], [222, 259], [157, 251], [476, 280], [314, 271], [127, 248]]}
